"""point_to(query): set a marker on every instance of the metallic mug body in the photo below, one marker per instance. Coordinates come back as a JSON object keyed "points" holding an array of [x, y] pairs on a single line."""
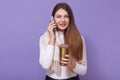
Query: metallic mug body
{"points": [[64, 49]]}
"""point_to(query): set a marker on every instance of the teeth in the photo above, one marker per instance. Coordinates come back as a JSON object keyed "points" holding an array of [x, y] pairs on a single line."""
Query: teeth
{"points": [[62, 24]]}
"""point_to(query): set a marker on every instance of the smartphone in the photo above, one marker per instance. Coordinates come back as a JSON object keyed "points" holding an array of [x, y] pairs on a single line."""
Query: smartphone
{"points": [[52, 19]]}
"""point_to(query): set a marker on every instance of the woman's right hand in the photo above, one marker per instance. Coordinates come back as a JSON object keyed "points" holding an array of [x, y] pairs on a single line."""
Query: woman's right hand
{"points": [[51, 26]]}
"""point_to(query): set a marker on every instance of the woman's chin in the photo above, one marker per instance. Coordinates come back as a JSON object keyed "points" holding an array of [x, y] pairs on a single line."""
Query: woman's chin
{"points": [[61, 29]]}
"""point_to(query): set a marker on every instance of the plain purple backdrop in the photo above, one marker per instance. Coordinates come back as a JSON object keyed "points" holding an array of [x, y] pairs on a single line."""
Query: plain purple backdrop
{"points": [[22, 22]]}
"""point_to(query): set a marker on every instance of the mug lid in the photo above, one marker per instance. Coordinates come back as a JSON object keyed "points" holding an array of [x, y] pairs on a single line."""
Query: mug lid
{"points": [[64, 46]]}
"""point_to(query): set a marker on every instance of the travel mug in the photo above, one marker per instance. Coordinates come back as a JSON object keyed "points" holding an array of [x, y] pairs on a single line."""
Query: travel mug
{"points": [[64, 49]]}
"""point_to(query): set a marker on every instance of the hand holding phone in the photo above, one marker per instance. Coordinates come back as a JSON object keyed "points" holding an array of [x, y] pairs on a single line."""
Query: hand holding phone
{"points": [[52, 19], [52, 27]]}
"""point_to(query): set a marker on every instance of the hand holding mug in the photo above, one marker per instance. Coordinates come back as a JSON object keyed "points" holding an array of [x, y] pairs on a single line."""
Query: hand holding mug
{"points": [[67, 60]]}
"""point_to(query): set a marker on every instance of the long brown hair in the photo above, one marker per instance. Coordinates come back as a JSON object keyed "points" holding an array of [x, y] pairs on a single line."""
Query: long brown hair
{"points": [[71, 34]]}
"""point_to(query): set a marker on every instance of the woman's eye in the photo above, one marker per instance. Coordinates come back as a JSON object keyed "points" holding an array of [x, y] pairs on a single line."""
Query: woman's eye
{"points": [[67, 16], [58, 16]]}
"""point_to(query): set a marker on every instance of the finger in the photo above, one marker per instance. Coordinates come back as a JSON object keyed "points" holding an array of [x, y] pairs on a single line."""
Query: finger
{"points": [[51, 27], [63, 62], [65, 59], [67, 56], [52, 22]]}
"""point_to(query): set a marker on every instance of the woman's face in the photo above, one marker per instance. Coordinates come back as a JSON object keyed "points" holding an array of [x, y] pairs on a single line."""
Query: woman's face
{"points": [[62, 19]]}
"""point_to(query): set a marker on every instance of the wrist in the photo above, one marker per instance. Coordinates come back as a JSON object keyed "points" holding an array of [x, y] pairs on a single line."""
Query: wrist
{"points": [[52, 41], [73, 65]]}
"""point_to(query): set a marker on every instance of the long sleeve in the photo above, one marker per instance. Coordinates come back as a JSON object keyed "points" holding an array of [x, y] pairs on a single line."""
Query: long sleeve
{"points": [[46, 53], [81, 67]]}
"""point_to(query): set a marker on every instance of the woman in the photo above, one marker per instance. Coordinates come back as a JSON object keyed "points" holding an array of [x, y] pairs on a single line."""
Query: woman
{"points": [[63, 30]]}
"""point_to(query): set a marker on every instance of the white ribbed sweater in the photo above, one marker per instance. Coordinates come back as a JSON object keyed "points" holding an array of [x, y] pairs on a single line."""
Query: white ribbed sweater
{"points": [[47, 55]]}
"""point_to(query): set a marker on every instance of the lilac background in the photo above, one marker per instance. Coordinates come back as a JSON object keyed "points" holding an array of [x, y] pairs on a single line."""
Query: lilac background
{"points": [[22, 22]]}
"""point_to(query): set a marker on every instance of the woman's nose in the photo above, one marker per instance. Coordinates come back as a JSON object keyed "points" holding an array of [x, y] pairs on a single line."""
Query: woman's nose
{"points": [[62, 19]]}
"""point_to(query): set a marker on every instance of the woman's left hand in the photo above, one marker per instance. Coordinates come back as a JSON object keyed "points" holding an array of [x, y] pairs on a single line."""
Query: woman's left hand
{"points": [[69, 61]]}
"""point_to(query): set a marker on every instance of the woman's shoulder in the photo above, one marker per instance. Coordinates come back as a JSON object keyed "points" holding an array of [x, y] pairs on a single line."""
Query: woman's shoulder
{"points": [[44, 36]]}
